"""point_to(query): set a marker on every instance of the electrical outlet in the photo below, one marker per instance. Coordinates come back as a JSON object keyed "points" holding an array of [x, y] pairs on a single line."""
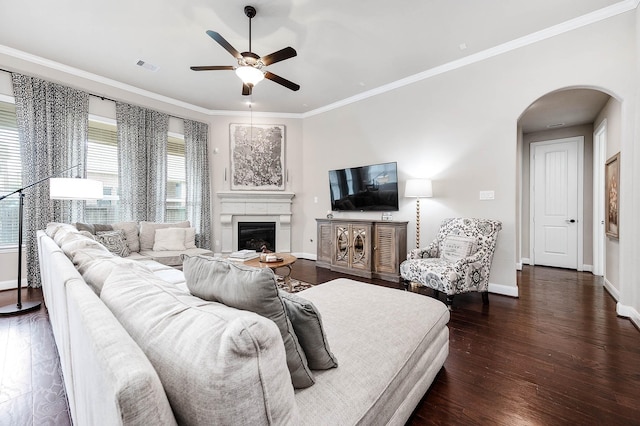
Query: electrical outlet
{"points": [[487, 195]]}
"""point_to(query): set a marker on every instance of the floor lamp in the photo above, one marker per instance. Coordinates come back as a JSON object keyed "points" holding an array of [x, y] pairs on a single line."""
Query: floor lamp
{"points": [[60, 189], [418, 188]]}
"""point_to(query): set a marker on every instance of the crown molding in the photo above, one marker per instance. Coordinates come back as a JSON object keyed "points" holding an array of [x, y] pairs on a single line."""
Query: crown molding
{"points": [[570, 25]]}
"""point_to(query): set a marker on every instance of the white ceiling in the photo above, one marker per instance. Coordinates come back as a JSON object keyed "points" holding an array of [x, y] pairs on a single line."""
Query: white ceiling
{"points": [[345, 48]]}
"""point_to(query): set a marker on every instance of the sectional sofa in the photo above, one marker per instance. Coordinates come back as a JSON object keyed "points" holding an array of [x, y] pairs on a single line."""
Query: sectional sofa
{"points": [[137, 348]]}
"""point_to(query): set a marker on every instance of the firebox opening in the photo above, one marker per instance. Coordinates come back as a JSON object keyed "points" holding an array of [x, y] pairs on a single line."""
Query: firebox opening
{"points": [[255, 235]]}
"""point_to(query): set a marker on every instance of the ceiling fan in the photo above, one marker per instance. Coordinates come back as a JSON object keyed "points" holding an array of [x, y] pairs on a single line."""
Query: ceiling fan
{"points": [[250, 65]]}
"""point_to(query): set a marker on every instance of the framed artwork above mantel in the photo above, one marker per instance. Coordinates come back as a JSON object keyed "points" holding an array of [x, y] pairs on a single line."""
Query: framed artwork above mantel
{"points": [[612, 196], [257, 157]]}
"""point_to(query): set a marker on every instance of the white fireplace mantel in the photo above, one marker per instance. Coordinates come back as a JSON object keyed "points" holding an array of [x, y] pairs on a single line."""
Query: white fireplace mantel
{"points": [[255, 206]]}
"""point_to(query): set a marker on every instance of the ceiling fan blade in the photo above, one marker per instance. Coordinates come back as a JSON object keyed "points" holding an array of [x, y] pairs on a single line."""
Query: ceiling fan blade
{"points": [[280, 55], [246, 89], [224, 43], [283, 81], [213, 68]]}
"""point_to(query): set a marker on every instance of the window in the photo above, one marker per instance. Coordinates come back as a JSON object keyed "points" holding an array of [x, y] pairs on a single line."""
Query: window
{"points": [[10, 174], [176, 180], [102, 165]]}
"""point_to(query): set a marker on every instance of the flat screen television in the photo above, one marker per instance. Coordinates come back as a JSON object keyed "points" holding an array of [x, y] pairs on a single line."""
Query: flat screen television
{"points": [[365, 188]]}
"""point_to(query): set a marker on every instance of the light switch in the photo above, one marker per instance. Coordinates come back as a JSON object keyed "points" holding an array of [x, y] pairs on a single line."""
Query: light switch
{"points": [[315, 200], [487, 195]]}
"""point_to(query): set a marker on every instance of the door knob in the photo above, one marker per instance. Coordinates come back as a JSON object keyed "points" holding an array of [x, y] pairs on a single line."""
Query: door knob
{"points": [[571, 221]]}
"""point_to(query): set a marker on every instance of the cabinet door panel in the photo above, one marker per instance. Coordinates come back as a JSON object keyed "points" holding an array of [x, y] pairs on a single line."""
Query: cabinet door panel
{"points": [[342, 245], [361, 243], [386, 259]]}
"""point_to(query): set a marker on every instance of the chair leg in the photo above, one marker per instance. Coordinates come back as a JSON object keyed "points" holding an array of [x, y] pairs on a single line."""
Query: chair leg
{"points": [[406, 284], [485, 297]]}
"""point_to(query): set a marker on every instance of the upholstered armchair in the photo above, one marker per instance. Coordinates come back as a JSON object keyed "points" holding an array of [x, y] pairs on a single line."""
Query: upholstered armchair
{"points": [[457, 261]]}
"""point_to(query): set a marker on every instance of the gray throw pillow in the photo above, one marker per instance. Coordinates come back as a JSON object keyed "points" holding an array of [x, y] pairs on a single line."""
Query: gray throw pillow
{"points": [[114, 241], [307, 324], [249, 289]]}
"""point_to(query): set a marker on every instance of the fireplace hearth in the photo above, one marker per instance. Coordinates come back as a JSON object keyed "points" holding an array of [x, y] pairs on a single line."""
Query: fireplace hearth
{"points": [[256, 235]]}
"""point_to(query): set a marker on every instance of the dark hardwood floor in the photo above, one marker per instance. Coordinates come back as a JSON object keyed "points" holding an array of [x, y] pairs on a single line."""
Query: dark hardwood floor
{"points": [[556, 355]]}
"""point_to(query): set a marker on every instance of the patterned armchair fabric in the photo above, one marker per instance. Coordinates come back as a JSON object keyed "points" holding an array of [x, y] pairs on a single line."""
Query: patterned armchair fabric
{"points": [[436, 267]]}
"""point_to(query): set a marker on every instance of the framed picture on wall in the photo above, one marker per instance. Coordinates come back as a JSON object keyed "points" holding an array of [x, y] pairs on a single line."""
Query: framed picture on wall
{"points": [[257, 157], [612, 195]]}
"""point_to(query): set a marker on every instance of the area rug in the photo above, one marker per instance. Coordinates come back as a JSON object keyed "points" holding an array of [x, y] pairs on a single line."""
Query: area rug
{"points": [[296, 284]]}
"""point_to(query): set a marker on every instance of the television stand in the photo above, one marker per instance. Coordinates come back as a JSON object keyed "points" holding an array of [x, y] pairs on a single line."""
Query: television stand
{"points": [[365, 248]]}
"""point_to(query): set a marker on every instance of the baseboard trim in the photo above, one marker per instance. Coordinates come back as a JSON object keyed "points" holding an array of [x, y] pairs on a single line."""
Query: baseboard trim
{"points": [[628, 312], [525, 261], [518, 266], [505, 290], [587, 268], [308, 256], [614, 292], [11, 284]]}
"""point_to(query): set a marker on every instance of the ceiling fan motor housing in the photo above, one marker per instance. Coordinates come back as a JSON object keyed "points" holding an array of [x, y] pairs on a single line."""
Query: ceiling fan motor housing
{"points": [[250, 11]]}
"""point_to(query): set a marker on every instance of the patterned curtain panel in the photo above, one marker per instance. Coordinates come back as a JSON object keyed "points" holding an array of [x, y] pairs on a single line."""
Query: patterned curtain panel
{"points": [[197, 177], [142, 162], [52, 124]]}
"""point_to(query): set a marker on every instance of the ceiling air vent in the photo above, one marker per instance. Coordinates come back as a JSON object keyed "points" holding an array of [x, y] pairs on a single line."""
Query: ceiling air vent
{"points": [[148, 66], [553, 126]]}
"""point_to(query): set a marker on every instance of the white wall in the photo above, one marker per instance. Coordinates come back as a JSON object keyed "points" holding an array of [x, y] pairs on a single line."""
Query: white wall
{"points": [[460, 128]]}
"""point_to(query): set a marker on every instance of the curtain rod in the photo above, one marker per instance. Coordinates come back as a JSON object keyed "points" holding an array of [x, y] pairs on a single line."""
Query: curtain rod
{"points": [[102, 97]]}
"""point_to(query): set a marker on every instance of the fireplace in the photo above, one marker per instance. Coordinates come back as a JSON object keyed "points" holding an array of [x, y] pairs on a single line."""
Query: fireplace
{"points": [[255, 235], [254, 206]]}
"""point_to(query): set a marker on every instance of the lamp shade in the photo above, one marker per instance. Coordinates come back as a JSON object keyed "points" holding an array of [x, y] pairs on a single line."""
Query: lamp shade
{"points": [[75, 189], [418, 188], [249, 75]]}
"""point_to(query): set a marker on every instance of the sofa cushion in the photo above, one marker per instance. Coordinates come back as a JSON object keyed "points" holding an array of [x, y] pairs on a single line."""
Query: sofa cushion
{"points": [[93, 228], [148, 232], [250, 289], [114, 241], [307, 323], [390, 344], [130, 230], [100, 347], [169, 239], [173, 257], [218, 365], [96, 272], [190, 238]]}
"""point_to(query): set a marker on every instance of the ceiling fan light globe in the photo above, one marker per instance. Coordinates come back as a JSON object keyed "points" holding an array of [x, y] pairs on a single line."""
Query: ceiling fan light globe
{"points": [[249, 75]]}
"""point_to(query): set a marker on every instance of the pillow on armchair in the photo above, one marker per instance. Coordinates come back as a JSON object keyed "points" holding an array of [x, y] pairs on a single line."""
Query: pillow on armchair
{"points": [[456, 247]]}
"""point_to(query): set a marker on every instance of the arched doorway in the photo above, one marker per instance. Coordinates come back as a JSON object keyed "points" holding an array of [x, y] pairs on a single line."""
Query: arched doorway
{"points": [[586, 114]]}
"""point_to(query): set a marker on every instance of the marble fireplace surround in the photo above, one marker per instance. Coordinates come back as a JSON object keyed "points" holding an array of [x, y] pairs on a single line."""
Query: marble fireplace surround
{"points": [[255, 206]]}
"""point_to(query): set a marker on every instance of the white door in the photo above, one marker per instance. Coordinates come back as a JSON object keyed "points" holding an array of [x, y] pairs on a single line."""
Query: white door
{"points": [[555, 199], [599, 158]]}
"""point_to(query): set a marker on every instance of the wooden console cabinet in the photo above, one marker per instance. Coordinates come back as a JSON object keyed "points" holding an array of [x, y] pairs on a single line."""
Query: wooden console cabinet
{"points": [[366, 248]]}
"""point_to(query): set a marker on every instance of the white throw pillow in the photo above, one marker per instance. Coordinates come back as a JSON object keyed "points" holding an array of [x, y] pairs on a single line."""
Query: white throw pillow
{"points": [[190, 238], [456, 247], [169, 239]]}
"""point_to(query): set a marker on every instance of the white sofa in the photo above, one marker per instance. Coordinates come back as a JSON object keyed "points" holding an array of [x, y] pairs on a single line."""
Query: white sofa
{"points": [[139, 240], [137, 348]]}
